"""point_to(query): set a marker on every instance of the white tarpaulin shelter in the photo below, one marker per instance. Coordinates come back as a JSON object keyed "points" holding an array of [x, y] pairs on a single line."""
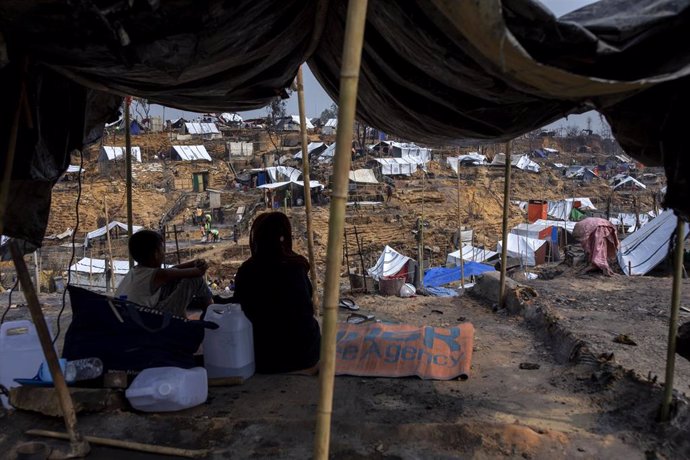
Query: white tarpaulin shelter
{"points": [[201, 128], [310, 148], [521, 162], [621, 180], [389, 264], [110, 153], [472, 157], [398, 166], [568, 226], [90, 273], [529, 230], [327, 155], [523, 248], [629, 221], [469, 253], [330, 127], [561, 209], [282, 173], [647, 247], [363, 176], [410, 151], [101, 231], [230, 117], [191, 152]]}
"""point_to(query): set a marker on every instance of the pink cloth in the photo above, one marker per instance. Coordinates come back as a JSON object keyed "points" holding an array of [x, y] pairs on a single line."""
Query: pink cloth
{"points": [[599, 240]]}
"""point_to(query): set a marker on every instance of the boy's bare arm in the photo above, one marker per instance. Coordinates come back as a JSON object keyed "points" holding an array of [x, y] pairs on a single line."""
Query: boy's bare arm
{"points": [[191, 264], [166, 275]]}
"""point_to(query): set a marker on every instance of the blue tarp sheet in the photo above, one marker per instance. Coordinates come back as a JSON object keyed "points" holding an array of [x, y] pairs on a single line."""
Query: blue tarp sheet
{"points": [[442, 292], [434, 277]]}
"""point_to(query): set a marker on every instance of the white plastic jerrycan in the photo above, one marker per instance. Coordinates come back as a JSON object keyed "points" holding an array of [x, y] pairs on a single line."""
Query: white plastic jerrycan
{"points": [[167, 389], [20, 353], [228, 350]]}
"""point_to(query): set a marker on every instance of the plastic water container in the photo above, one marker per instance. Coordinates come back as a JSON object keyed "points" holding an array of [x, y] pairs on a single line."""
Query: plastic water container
{"points": [[167, 389], [20, 353], [228, 350]]}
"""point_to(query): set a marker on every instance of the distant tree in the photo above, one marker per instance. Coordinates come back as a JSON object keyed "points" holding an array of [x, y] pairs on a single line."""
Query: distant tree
{"points": [[276, 110], [141, 107], [589, 124], [327, 114]]}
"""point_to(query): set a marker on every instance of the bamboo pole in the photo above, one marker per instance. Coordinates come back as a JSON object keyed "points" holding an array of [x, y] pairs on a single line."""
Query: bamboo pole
{"points": [[307, 189], [349, 78], [78, 446], [130, 445], [673, 322], [462, 261], [109, 262], [128, 165], [504, 245]]}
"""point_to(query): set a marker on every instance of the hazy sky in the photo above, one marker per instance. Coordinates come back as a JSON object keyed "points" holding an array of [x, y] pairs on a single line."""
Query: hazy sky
{"points": [[317, 100]]}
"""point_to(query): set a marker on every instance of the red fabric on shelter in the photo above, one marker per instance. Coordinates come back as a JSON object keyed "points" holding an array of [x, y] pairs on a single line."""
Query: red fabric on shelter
{"points": [[599, 240]]}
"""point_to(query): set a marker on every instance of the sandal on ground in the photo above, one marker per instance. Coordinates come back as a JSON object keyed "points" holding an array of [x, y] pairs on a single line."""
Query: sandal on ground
{"points": [[348, 304]]}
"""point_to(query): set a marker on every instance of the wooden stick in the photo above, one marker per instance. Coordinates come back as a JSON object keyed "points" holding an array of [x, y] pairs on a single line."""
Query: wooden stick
{"points": [[130, 445], [673, 322], [504, 247], [307, 189], [128, 167], [78, 446], [109, 262], [349, 78]]}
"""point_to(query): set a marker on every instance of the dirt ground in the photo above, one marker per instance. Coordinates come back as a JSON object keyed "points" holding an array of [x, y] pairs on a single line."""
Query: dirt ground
{"points": [[561, 410]]}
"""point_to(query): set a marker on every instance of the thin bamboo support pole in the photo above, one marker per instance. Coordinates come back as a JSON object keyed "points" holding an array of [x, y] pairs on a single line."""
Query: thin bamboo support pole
{"points": [[349, 78], [307, 189], [78, 446], [109, 275], [504, 244], [128, 166], [462, 261], [130, 445], [673, 322]]}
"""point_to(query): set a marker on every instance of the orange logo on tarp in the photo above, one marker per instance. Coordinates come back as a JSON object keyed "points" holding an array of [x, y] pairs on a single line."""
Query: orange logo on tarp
{"points": [[386, 350]]}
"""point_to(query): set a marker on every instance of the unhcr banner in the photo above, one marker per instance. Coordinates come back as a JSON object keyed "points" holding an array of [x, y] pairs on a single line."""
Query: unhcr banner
{"points": [[386, 350]]}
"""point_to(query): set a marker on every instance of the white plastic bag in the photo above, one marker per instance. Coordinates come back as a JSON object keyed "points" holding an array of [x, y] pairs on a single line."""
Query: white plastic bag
{"points": [[407, 290]]}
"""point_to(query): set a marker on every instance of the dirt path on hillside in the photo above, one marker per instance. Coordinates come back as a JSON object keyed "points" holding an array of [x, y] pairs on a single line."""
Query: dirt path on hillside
{"points": [[599, 308], [556, 411]]}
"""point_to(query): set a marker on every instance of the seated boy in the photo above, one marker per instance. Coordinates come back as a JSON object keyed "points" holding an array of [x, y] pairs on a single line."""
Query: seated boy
{"points": [[166, 289]]}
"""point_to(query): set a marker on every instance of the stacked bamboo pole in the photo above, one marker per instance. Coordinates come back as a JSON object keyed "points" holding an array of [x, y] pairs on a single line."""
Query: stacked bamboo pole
{"points": [[307, 188], [349, 78]]}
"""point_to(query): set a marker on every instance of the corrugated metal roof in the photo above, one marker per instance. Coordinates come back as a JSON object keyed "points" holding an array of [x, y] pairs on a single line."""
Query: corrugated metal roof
{"points": [[202, 128], [192, 152], [113, 152]]}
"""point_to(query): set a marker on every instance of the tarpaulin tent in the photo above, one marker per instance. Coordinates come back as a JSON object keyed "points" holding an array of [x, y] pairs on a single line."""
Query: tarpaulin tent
{"points": [[110, 153], [399, 166], [190, 153], [521, 162], [389, 264], [91, 274], [529, 251], [472, 158], [363, 176], [470, 253], [647, 247], [439, 276], [314, 148], [106, 228], [562, 209], [599, 240]]}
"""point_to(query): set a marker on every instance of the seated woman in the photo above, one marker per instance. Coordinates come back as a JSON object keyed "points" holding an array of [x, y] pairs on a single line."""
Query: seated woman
{"points": [[275, 293]]}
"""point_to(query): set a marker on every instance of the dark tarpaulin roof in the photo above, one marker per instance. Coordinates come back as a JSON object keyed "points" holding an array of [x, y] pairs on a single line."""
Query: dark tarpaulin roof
{"points": [[432, 70]]}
